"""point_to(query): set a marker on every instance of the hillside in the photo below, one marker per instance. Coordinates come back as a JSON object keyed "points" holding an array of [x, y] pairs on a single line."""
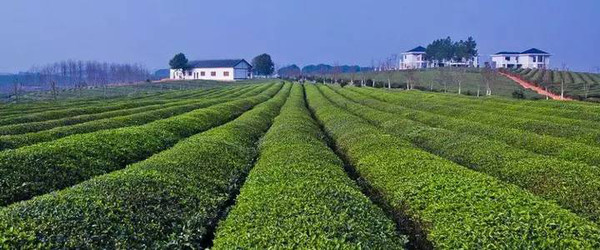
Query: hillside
{"points": [[435, 80]]}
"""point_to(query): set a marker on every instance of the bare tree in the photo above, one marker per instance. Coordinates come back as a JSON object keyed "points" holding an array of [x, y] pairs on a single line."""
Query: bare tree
{"points": [[387, 67], [562, 82], [411, 78], [461, 75], [490, 76], [335, 72]]}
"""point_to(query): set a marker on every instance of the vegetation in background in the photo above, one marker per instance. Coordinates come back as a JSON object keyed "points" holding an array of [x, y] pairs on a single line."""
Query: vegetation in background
{"points": [[262, 65]]}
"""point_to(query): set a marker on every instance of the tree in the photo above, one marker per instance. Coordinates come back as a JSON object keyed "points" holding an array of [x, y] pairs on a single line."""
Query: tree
{"points": [[461, 75], [291, 71], [179, 62], [489, 77], [471, 46], [562, 82], [263, 65]]}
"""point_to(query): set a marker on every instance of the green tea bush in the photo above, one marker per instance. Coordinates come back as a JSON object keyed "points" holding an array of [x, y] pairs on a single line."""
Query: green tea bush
{"points": [[576, 130], [29, 127], [546, 145], [298, 195], [16, 141], [54, 165], [171, 200], [455, 206]]}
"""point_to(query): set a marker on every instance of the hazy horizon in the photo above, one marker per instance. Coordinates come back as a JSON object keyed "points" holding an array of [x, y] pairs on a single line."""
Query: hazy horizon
{"points": [[301, 32]]}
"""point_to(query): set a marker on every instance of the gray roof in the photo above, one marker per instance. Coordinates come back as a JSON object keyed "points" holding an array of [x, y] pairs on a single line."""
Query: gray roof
{"points": [[228, 63], [529, 51], [533, 51], [417, 49], [507, 53]]}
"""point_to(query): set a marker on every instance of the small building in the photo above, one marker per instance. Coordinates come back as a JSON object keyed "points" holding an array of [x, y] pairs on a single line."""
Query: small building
{"points": [[416, 59], [413, 59], [530, 59], [218, 70]]}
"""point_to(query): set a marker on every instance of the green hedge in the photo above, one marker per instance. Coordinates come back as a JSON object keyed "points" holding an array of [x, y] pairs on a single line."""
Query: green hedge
{"points": [[455, 206], [170, 200], [546, 145], [298, 195], [29, 127], [572, 185], [16, 141], [50, 166], [569, 117], [550, 126], [91, 108]]}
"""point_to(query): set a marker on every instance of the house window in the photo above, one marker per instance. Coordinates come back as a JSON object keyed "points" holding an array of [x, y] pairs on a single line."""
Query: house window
{"points": [[213, 73], [202, 73], [507, 58], [189, 73], [540, 59], [534, 58], [226, 73]]}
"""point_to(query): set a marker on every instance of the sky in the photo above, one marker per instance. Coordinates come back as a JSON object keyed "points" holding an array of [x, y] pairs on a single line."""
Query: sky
{"points": [[36, 32]]}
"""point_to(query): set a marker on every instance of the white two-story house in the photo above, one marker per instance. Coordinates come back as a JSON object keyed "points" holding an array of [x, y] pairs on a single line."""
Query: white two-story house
{"points": [[218, 70], [529, 59], [415, 59]]}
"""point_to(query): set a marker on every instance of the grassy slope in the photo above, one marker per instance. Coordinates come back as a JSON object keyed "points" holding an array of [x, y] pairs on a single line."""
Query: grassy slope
{"points": [[502, 87]]}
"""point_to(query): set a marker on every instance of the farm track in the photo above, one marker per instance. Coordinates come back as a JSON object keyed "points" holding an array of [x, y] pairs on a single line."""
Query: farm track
{"points": [[537, 89], [213, 163], [20, 140], [571, 184], [46, 167]]}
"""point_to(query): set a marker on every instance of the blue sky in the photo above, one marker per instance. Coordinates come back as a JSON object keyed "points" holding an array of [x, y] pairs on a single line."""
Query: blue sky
{"points": [[298, 31]]}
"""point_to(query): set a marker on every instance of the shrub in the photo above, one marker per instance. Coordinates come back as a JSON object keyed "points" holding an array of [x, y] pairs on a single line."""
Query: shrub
{"points": [[50, 166], [299, 196], [457, 207], [16, 141], [518, 94], [170, 200]]}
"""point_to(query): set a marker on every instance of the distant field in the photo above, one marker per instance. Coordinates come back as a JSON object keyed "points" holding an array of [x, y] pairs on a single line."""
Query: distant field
{"points": [[271, 164], [471, 81], [132, 90]]}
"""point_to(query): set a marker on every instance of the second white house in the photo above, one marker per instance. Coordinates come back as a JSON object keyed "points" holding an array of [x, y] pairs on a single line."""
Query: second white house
{"points": [[219, 70], [530, 59]]}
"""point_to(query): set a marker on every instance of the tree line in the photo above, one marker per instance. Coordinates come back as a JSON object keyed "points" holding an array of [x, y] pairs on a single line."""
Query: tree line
{"points": [[445, 50]]}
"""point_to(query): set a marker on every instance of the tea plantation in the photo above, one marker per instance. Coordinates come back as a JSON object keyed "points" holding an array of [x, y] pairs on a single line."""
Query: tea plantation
{"points": [[289, 165]]}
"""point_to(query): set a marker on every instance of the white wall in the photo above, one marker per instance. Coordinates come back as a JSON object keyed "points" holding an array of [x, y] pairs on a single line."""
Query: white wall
{"points": [[412, 60], [196, 74], [525, 60]]}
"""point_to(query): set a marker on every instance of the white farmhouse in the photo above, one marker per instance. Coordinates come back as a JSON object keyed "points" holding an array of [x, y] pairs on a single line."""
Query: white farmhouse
{"points": [[219, 70], [529, 59], [415, 59]]}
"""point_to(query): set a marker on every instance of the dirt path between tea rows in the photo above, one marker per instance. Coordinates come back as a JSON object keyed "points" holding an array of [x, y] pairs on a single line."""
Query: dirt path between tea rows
{"points": [[537, 89]]}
